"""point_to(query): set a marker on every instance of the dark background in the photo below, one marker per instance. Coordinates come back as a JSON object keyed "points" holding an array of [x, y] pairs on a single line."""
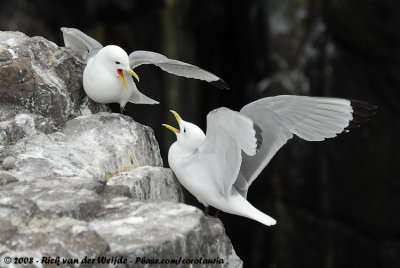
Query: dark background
{"points": [[337, 202]]}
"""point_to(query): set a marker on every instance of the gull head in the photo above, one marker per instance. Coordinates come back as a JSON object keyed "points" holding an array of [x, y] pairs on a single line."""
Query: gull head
{"points": [[116, 61], [189, 136]]}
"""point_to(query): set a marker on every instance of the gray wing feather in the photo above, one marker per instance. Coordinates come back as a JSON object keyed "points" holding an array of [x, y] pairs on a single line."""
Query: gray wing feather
{"points": [[228, 133], [83, 44], [175, 67], [310, 118], [137, 96]]}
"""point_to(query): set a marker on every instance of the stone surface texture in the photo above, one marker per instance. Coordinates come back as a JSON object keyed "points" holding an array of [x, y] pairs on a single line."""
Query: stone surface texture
{"points": [[85, 182]]}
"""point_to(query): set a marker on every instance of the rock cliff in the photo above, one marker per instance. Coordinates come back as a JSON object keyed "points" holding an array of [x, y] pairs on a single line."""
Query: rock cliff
{"points": [[80, 182]]}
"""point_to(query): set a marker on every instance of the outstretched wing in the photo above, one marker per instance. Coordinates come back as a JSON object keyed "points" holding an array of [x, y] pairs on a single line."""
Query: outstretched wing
{"points": [[310, 118], [85, 45], [176, 67], [228, 133]]}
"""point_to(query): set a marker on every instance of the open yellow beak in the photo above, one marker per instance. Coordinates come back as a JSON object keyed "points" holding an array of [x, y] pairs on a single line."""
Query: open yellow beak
{"points": [[131, 72], [121, 76], [178, 118]]}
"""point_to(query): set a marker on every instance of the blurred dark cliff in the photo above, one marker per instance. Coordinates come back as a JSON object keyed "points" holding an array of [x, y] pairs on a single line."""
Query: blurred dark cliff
{"points": [[337, 202]]}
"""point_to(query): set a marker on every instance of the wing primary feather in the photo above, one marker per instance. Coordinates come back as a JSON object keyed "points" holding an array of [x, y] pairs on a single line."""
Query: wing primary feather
{"points": [[359, 119], [363, 112], [332, 109], [363, 104], [324, 128], [332, 115], [352, 125], [220, 84], [324, 125], [338, 122], [316, 131]]}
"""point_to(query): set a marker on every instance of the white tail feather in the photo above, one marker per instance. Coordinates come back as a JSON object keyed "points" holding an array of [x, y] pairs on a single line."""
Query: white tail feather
{"points": [[140, 98], [240, 206]]}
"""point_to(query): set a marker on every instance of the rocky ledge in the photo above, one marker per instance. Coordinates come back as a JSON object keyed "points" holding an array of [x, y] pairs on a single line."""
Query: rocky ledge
{"points": [[80, 183]]}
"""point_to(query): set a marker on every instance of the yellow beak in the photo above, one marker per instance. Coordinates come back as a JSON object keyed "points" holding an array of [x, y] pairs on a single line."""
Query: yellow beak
{"points": [[121, 76], [131, 72], [178, 118]]}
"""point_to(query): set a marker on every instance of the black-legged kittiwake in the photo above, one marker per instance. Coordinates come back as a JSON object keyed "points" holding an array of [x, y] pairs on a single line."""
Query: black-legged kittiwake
{"points": [[219, 167], [103, 77]]}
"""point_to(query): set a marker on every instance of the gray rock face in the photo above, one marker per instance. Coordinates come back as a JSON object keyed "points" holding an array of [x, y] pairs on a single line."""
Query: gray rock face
{"points": [[36, 234], [17, 123], [6, 179], [88, 185], [150, 183], [39, 76], [9, 162], [95, 146], [64, 171], [162, 230]]}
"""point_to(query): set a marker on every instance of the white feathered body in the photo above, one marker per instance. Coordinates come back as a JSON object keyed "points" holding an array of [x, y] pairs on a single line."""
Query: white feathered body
{"points": [[103, 86], [193, 175], [202, 182]]}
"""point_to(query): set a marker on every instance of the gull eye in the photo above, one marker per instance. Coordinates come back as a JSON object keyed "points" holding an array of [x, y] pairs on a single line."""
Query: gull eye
{"points": [[184, 131], [117, 62]]}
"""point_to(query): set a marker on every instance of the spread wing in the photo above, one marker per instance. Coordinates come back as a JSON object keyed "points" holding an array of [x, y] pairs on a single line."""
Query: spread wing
{"points": [[228, 133], [176, 67], [310, 118], [85, 45]]}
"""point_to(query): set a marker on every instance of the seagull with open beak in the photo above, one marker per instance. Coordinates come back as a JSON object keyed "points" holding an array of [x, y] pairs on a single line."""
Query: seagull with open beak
{"points": [[206, 170], [218, 168], [104, 80]]}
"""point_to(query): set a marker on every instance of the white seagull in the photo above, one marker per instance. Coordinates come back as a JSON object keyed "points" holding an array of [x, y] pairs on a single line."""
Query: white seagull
{"points": [[218, 168], [103, 77]]}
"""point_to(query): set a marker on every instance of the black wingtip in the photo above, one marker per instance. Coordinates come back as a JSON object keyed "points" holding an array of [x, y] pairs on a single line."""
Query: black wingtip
{"points": [[363, 105], [362, 111], [352, 125], [220, 84], [258, 135]]}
